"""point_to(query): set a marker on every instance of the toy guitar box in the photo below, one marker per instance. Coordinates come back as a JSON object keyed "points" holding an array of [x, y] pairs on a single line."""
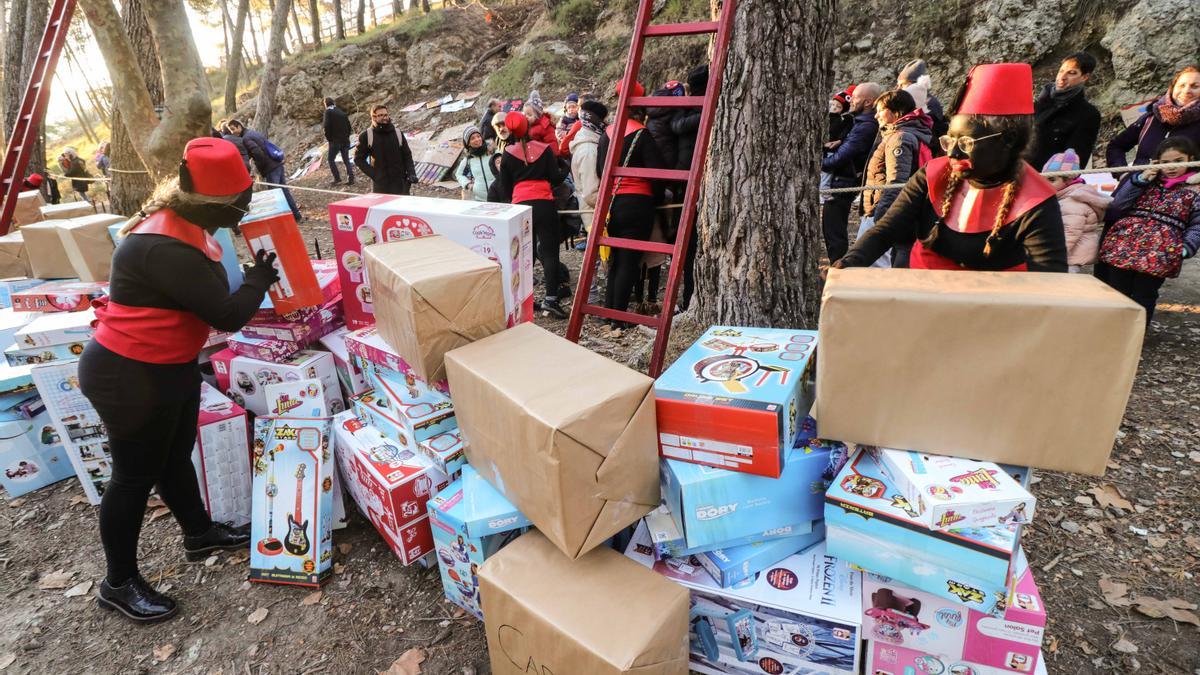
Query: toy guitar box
{"points": [[291, 523], [31, 452], [500, 232], [471, 520], [869, 523], [368, 345], [222, 458], [270, 226], [353, 378], [77, 424], [735, 398], [888, 659], [403, 405], [64, 295], [800, 615], [248, 378]]}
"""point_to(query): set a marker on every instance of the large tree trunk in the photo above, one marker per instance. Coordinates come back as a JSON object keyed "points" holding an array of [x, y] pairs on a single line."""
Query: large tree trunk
{"points": [[14, 51], [360, 17], [37, 15], [268, 82], [131, 185], [315, 16], [234, 69], [188, 111], [339, 21], [759, 234]]}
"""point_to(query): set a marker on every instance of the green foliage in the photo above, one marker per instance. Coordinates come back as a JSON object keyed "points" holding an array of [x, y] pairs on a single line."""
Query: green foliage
{"points": [[414, 26], [515, 77], [575, 16], [678, 11]]}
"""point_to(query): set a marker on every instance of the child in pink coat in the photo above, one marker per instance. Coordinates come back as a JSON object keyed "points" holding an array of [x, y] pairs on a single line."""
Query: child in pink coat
{"points": [[1082, 208]]}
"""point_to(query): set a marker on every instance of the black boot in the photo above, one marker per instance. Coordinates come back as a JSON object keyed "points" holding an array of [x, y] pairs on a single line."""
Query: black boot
{"points": [[553, 309], [220, 537], [137, 600]]}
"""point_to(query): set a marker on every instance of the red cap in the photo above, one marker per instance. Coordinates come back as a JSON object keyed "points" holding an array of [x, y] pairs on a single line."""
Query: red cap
{"points": [[35, 179], [213, 167], [638, 89], [997, 89], [517, 123]]}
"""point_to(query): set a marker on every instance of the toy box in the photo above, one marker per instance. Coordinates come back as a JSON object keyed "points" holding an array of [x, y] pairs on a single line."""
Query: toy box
{"points": [[263, 349], [15, 379], [78, 424], [802, 613], [670, 542], [870, 524], [221, 361], [953, 492], [20, 357], [12, 321], [735, 398], [248, 377], [32, 455], [906, 617], [353, 379], [731, 565], [59, 296], [307, 330], [445, 451], [44, 248], [471, 520], [270, 226], [291, 522], [500, 232], [419, 410], [297, 398], [222, 458], [368, 345], [59, 328], [888, 659], [14, 285]]}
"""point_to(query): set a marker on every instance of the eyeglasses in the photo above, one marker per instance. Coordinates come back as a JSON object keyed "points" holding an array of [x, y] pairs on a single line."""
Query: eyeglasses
{"points": [[965, 143]]}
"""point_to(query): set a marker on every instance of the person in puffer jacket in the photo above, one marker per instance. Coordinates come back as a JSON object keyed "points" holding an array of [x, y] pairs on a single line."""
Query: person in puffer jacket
{"points": [[474, 172], [583, 156], [1082, 208]]}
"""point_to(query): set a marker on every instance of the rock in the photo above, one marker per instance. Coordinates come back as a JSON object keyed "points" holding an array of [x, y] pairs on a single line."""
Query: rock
{"points": [[1148, 44], [429, 63], [1069, 526], [348, 56], [299, 92], [1093, 513]]}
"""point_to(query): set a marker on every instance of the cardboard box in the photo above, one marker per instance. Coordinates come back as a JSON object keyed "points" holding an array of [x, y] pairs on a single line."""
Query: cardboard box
{"points": [[870, 524], [433, 295], [801, 615], [13, 285], [32, 455], [368, 345], [222, 458], [14, 261], [470, 522], [270, 226], [735, 398], [953, 492], [58, 328], [669, 542], [275, 351], [77, 424], [446, 451], [601, 613], [44, 248], [221, 362], [941, 361], [353, 379], [249, 377], [22, 357], [888, 659], [12, 321], [69, 295], [500, 232], [291, 523], [297, 398], [15, 379], [562, 432], [88, 246], [411, 406], [305, 331], [731, 565], [29, 207], [67, 210]]}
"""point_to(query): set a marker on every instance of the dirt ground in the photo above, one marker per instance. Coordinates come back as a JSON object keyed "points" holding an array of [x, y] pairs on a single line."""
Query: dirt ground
{"points": [[1116, 559]]}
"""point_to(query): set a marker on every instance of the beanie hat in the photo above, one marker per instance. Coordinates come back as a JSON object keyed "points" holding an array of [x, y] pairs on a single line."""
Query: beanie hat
{"points": [[596, 109], [1066, 160], [996, 89], [844, 96], [912, 71], [517, 124], [468, 132], [535, 102], [35, 179], [213, 167], [919, 90], [572, 98]]}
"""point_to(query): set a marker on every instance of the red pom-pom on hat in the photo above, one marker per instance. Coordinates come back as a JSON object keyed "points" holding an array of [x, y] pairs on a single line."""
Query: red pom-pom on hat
{"points": [[997, 89], [213, 167]]}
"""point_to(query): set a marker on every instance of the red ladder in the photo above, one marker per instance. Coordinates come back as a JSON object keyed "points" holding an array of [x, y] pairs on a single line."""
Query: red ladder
{"points": [[33, 108], [613, 171]]}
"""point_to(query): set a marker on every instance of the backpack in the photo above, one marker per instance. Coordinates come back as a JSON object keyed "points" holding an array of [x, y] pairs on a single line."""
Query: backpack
{"points": [[274, 152], [924, 154]]}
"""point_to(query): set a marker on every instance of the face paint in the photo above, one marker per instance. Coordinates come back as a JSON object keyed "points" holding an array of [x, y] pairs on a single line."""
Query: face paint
{"points": [[991, 159]]}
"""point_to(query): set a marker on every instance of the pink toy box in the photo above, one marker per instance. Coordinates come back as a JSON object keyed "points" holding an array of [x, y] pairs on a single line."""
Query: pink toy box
{"points": [[222, 457], [353, 378], [887, 659], [368, 345]]}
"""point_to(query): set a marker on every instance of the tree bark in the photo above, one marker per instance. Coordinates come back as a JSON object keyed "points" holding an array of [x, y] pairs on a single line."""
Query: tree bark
{"points": [[37, 15], [131, 186], [268, 82], [254, 36], [425, 6], [339, 21], [315, 17], [14, 51], [234, 70], [360, 17], [759, 234], [299, 30]]}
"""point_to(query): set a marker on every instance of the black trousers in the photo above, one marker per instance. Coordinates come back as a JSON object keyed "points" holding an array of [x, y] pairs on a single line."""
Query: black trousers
{"points": [[1140, 287], [835, 223], [150, 411], [547, 235], [631, 217], [344, 150]]}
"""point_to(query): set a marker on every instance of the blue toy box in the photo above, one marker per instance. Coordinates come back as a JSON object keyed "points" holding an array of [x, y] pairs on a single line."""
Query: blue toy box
{"points": [[669, 542], [32, 455], [413, 407], [732, 565], [471, 520], [735, 398], [871, 525]]}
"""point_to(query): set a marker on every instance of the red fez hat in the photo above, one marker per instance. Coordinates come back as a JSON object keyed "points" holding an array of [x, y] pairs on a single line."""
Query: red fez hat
{"points": [[997, 89], [35, 179], [213, 167], [638, 89], [517, 124]]}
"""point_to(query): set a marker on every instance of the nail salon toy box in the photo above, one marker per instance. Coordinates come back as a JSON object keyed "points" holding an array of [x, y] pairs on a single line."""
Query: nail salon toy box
{"points": [[222, 457], [869, 523], [735, 398], [291, 530], [249, 377], [270, 226], [500, 232], [32, 455], [887, 659], [471, 520], [800, 615]]}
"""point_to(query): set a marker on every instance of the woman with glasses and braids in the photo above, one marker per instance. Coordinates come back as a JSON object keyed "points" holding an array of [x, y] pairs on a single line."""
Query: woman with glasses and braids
{"points": [[982, 207]]}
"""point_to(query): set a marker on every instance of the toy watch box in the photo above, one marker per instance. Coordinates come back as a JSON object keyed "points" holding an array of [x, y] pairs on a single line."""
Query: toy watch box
{"points": [[887, 659], [15, 356], [78, 425], [800, 615], [445, 451], [735, 398], [869, 523], [70, 295], [353, 378], [249, 377], [56, 329], [500, 232], [305, 331], [471, 520], [952, 492], [15, 285], [31, 452], [670, 543], [270, 226], [222, 457], [368, 345], [417, 409], [291, 523]]}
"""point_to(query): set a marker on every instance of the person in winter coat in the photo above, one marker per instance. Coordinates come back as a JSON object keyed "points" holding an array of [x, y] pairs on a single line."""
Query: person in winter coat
{"points": [[686, 125], [569, 118], [1082, 207], [1063, 118], [49, 189], [911, 73], [1177, 113], [845, 166], [840, 118], [981, 207], [1156, 228], [485, 122], [73, 166], [226, 134], [474, 172], [168, 290], [658, 122], [584, 157], [541, 127], [269, 168], [336, 124], [383, 155], [103, 161]]}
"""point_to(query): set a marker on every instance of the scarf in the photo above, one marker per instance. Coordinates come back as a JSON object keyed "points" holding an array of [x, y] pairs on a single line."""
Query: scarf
{"points": [[590, 122], [1172, 182], [1174, 115], [1052, 99]]}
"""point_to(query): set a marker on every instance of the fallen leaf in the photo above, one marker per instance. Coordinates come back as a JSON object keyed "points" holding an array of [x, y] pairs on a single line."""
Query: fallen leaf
{"points": [[78, 590], [311, 599], [257, 616], [7, 660], [1084, 500], [1114, 592], [338, 568], [1052, 644], [1125, 646], [158, 513], [163, 652], [1109, 495], [1174, 608], [55, 580], [409, 663], [1156, 541], [345, 548], [210, 561], [79, 499], [16, 503]]}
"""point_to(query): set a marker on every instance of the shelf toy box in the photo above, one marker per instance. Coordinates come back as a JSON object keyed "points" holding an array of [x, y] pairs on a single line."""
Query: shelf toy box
{"points": [[391, 484], [869, 523], [270, 226], [68, 295], [445, 451], [731, 565], [735, 398], [888, 659], [368, 345], [471, 520], [500, 232], [222, 458], [32, 455], [291, 523], [951, 492], [800, 615], [14, 285], [353, 378], [78, 425], [307, 330], [670, 543], [411, 405], [59, 328], [249, 377]]}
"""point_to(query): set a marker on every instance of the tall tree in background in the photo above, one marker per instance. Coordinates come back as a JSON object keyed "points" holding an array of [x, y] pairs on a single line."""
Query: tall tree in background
{"points": [[397, 8], [131, 185], [296, 25], [37, 13], [234, 69], [14, 50], [759, 239], [360, 18], [269, 80], [315, 18], [339, 21]]}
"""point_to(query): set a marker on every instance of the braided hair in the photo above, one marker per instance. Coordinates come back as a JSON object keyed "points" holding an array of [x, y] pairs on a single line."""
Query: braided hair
{"points": [[169, 195]]}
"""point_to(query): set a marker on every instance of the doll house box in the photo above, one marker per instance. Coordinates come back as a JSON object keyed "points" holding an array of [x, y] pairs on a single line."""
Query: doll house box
{"points": [[222, 457]]}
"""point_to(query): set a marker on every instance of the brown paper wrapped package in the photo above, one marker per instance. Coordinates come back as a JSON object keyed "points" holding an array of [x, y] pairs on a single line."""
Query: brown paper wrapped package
{"points": [[67, 210], [567, 435], [44, 247], [29, 207], [432, 295], [13, 260], [601, 614], [1032, 369], [89, 246]]}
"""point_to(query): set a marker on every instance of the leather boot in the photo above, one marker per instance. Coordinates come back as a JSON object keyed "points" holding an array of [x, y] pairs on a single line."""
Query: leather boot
{"points": [[219, 537], [137, 600]]}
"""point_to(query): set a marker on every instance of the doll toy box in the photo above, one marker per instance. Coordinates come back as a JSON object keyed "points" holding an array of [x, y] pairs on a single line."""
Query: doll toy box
{"points": [[31, 453], [305, 331], [263, 349], [869, 523], [412, 406], [64, 295], [353, 378], [500, 232], [951, 492], [800, 615], [471, 520], [291, 523], [222, 458], [884, 658], [297, 398], [270, 226], [367, 344], [248, 378], [735, 398]]}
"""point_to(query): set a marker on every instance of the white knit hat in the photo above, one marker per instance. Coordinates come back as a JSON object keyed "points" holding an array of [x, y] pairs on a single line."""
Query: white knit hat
{"points": [[919, 90]]}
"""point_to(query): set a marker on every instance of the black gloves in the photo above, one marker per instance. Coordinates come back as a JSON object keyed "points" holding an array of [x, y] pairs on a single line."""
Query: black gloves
{"points": [[263, 273]]}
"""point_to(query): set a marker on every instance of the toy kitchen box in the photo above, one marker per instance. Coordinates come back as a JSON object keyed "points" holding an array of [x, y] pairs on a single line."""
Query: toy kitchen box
{"points": [[500, 232], [952, 492], [471, 520], [735, 398], [64, 295], [410, 406], [869, 523], [800, 615], [391, 484], [31, 453], [248, 378], [291, 523], [883, 658], [222, 458], [270, 226]]}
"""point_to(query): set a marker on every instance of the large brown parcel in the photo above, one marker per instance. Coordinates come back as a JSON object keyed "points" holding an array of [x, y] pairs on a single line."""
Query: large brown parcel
{"points": [[14, 262], [48, 257], [1032, 369], [565, 434], [602, 613], [67, 210], [88, 245], [432, 295], [29, 207]]}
